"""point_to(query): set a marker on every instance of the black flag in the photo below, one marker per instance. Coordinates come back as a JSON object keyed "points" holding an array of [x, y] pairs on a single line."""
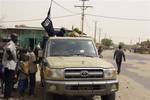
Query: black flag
{"points": [[47, 24]]}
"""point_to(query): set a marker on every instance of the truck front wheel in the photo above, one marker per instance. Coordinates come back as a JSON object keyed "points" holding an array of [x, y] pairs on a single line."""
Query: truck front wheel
{"points": [[108, 97], [50, 96]]}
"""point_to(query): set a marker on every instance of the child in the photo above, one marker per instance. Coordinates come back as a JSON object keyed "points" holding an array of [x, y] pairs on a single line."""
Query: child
{"points": [[23, 75]]}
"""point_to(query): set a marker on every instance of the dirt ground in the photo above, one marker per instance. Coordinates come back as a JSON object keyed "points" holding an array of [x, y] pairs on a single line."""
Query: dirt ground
{"points": [[134, 80], [131, 90]]}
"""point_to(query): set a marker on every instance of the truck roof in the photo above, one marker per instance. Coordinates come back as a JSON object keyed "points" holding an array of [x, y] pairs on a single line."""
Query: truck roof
{"points": [[82, 38]]}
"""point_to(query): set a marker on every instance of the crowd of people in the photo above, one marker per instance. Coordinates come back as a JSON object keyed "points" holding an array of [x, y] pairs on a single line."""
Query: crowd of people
{"points": [[18, 67]]}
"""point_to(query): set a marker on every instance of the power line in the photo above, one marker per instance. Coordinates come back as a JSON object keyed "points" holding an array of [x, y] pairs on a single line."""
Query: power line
{"points": [[100, 35], [64, 7], [39, 19], [118, 18], [65, 16], [42, 19]]}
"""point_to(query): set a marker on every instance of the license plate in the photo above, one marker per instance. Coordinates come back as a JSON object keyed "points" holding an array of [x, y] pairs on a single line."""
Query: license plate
{"points": [[85, 88], [80, 87]]}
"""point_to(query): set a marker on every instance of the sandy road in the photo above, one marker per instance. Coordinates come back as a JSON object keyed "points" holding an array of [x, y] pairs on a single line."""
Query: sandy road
{"points": [[134, 78]]}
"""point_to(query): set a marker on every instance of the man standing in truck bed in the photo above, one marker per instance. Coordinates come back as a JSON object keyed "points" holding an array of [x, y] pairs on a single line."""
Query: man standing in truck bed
{"points": [[118, 56]]}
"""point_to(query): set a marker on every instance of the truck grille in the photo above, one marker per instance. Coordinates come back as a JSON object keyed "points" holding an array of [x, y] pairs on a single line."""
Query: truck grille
{"points": [[83, 73]]}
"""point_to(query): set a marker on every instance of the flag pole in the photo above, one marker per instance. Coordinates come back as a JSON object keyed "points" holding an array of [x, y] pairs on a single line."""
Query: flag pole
{"points": [[47, 23], [49, 11]]}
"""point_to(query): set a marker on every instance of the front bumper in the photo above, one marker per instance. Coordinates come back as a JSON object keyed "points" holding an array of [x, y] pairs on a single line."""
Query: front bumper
{"points": [[81, 88]]}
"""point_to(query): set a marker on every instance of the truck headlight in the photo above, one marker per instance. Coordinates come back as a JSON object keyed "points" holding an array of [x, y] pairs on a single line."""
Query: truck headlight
{"points": [[53, 73], [57, 73], [110, 73]]}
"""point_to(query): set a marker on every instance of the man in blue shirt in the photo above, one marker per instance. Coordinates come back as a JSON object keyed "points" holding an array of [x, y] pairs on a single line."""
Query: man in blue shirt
{"points": [[118, 55]]}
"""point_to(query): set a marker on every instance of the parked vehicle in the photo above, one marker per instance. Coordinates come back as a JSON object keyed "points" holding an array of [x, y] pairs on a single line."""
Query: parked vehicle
{"points": [[71, 67], [142, 50]]}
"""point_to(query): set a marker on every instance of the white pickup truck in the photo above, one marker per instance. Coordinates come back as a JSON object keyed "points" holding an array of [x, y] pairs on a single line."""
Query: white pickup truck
{"points": [[72, 67]]}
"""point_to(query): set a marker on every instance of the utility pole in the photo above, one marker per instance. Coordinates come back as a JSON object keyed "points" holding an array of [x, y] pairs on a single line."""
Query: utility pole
{"points": [[83, 8], [130, 42], [139, 40], [100, 35], [95, 31], [72, 27], [105, 35]]}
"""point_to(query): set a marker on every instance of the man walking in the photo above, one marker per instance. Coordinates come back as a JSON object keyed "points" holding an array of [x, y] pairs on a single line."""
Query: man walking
{"points": [[118, 55], [9, 61]]}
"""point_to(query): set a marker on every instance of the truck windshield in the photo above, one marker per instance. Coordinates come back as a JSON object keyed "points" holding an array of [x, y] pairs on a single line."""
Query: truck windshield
{"points": [[72, 47]]}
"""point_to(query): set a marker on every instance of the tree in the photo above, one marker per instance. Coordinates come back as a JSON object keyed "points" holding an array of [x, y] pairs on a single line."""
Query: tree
{"points": [[107, 42], [122, 44]]}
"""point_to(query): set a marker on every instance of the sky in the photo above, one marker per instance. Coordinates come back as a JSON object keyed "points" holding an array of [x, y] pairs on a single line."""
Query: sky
{"points": [[127, 31]]}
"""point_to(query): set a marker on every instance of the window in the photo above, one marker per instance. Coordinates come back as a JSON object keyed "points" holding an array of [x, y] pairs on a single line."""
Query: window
{"points": [[71, 47]]}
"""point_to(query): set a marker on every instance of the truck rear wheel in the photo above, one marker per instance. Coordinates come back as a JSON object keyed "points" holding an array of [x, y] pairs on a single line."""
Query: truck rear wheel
{"points": [[108, 97]]}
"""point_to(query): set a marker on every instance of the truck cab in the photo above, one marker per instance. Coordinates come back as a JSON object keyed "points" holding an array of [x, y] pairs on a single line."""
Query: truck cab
{"points": [[71, 67]]}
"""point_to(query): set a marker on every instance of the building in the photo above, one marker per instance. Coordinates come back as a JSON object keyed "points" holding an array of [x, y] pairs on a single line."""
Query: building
{"points": [[28, 36]]}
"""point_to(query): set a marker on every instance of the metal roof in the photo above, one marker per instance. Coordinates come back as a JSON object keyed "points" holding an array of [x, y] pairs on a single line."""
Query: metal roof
{"points": [[85, 38], [24, 28], [29, 28]]}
